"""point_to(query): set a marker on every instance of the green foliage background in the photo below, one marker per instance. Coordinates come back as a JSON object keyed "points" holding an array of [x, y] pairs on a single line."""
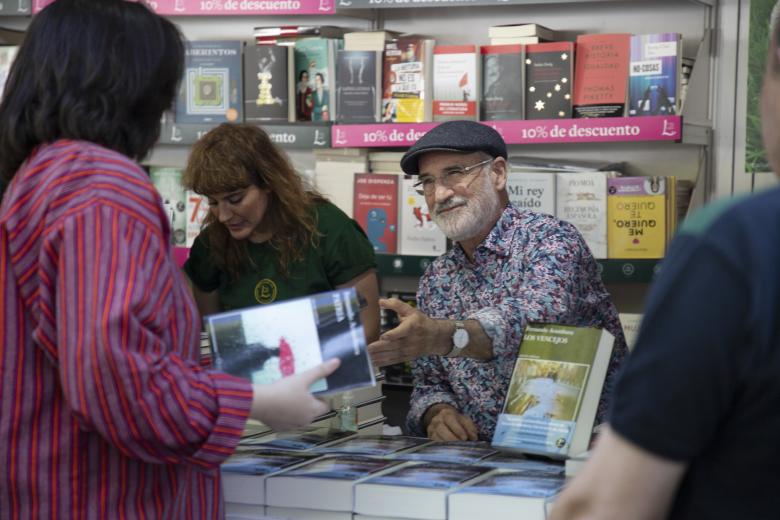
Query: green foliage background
{"points": [[760, 14]]}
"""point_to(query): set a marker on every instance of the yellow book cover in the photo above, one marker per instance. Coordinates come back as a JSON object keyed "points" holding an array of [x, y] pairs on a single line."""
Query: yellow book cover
{"points": [[636, 217]]}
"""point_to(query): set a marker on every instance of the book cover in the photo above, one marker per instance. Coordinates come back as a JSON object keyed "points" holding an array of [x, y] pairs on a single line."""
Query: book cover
{"points": [[358, 76], [532, 191], [333, 175], [301, 439], [416, 490], [655, 74], [376, 209], [263, 462], [167, 180], [582, 200], [7, 55], [211, 90], [197, 211], [314, 68], [503, 80], [406, 80], [636, 217], [461, 452], [601, 75], [325, 484], [554, 390], [549, 71], [630, 322], [267, 342], [455, 82], [266, 83], [376, 445], [419, 234], [522, 464], [505, 495]]}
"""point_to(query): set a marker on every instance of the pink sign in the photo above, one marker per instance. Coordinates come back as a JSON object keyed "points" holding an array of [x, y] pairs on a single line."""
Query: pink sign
{"points": [[390, 134], [608, 129], [230, 7]]}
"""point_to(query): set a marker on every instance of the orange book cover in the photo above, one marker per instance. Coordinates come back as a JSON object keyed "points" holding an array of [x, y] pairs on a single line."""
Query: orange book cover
{"points": [[601, 75]]}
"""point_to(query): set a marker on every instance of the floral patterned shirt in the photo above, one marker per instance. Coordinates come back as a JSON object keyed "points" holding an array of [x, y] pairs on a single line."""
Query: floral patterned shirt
{"points": [[530, 268]]}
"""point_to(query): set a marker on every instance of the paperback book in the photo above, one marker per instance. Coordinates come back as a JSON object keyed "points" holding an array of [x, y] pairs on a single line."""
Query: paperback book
{"points": [[655, 74], [582, 201], [419, 234], [455, 86], [461, 452], [503, 77], [301, 439], [532, 191], [376, 209], [268, 88], [197, 211], [416, 490], [549, 71], [211, 90], [325, 483], [7, 55], [601, 75], [554, 390], [636, 217], [315, 68], [507, 495], [267, 342], [407, 80], [358, 87], [167, 180], [524, 464], [375, 445]]}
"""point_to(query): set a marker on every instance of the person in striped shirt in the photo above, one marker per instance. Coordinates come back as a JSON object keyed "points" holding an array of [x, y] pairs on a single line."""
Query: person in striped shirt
{"points": [[105, 410]]}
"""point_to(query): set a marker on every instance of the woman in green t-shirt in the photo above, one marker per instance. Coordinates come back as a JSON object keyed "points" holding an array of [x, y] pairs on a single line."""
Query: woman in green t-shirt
{"points": [[267, 238]]}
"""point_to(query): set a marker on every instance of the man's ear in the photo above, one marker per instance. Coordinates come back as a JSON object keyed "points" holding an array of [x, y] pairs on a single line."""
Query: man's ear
{"points": [[499, 169]]}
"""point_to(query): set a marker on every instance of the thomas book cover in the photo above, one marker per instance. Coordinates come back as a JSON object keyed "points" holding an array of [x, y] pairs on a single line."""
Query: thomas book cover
{"points": [[503, 80], [601, 75], [267, 342], [636, 217], [211, 90], [266, 83], [376, 209], [549, 71], [554, 390], [655, 74]]}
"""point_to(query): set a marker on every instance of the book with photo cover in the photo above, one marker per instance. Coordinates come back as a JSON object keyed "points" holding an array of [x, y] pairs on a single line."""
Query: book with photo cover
{"points": [[516, 461], [506, 495], [461, 452], [244, 473], [554, 390], [415, 490], [300, 439], [267, 342], [375, 445]]}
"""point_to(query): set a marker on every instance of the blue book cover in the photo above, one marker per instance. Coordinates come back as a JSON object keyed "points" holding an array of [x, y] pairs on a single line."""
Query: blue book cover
{"points": [[516, 483], [211, 90], [654, 74], [377, 445], [343, 467], [263, 462], [304, 439], [463, 452], [430, 475], [524, 464]]}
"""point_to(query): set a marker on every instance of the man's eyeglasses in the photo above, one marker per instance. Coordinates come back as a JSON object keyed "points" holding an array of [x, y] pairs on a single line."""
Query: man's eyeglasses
{"points": [[448, 179]]}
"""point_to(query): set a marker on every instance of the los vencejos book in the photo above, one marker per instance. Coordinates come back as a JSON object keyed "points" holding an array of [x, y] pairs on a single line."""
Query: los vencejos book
{"points": [[554, 391], [267, 342]]}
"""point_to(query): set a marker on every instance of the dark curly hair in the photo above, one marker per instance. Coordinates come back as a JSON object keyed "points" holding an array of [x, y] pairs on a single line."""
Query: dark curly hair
{"points": [[100, 71]]}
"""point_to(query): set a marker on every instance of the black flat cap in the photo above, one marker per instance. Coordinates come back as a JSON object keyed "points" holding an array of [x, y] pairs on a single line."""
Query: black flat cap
{"points": [[454, 136]]}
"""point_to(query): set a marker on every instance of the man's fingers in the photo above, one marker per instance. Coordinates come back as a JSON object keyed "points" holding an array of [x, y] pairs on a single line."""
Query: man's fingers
{"points": [[469, 427], [394, 304], [441, 433]]}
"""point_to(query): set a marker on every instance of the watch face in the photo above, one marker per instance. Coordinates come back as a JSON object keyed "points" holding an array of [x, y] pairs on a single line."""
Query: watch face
{"points": [[460, 338]]}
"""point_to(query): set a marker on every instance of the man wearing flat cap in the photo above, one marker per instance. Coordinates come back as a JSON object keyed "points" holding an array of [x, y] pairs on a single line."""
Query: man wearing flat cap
{"points": [[508, 267]]}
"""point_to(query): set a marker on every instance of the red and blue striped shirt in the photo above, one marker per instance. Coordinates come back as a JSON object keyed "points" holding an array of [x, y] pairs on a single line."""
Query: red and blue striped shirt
{"points": [[104, 408]]}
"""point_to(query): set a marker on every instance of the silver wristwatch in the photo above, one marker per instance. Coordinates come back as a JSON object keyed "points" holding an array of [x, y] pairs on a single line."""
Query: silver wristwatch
{"points": [[460, 340]]}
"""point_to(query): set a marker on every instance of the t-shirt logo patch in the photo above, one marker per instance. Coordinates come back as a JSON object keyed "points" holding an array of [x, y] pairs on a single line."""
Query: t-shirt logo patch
{"points": [[265, 291]]}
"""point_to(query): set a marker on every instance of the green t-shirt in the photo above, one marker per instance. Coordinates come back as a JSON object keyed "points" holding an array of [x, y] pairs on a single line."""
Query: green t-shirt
{"points": [[343, 253]]}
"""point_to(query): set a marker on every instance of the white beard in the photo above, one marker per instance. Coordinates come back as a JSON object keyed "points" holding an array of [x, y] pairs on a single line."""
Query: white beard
{"points": [[468, 220]]}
